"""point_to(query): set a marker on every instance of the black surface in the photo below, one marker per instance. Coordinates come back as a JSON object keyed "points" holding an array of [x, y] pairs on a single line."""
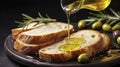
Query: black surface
{"points": [[11, 10]]}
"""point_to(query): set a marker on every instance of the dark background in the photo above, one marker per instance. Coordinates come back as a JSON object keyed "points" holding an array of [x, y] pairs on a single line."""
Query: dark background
{"points": [[11, 11]]}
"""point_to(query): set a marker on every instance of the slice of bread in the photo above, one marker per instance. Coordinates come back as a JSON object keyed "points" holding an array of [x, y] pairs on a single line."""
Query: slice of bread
{"points": [[17, 31], [49, 33], [30, 48], [105, 41], [95, 42], [42, 34]]}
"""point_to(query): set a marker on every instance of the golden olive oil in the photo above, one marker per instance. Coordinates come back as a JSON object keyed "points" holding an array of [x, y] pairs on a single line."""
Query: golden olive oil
{"points": [[70, 7], [96, 5], [75, 5], [72, 44]]}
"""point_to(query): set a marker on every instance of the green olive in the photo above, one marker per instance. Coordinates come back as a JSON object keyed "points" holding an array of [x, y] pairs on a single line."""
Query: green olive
{"points": [[97, 25], [81, 24], [116, 27], [106, 27], [83, 58], [118, 40]]}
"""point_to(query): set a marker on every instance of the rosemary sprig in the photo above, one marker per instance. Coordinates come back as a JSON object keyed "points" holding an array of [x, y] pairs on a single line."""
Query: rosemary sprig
{"points": [[28, 19], [104, 16]]}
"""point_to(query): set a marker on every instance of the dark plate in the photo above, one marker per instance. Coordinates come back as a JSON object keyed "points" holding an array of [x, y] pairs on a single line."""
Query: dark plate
{"points": [[32, 62]]}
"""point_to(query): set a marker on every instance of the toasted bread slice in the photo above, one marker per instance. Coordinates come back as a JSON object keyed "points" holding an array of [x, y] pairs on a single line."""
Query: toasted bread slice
{"points": [[17, 31], [30, 48], [106, 42], [45, 33], [94, 43], [53, 30]]}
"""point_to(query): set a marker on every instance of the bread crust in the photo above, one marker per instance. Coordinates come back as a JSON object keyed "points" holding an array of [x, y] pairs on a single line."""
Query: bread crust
{"points": [[26, 49], [30, 48], [106, 41], [17, 31], [42, 39]]}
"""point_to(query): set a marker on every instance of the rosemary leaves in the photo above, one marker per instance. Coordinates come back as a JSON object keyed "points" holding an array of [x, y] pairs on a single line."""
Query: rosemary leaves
{"points": [[28, 19]]}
